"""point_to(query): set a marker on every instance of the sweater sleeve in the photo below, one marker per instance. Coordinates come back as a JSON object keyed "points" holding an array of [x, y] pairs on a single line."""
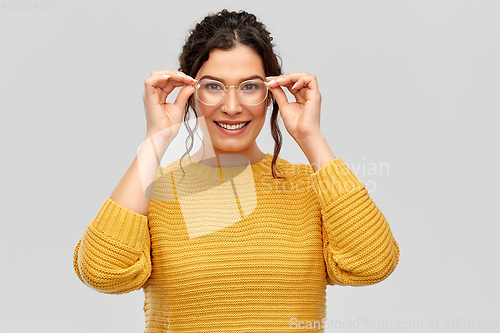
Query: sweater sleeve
{"points": [[358, 246], [113, 256]]}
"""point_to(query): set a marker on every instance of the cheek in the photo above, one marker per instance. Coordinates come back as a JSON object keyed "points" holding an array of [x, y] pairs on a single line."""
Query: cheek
{"points": [[260, 115], [199, 109], [203, 110]]}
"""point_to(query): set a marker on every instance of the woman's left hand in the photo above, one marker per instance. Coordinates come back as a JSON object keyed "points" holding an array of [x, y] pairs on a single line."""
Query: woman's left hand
{"points": [[302, 117]]}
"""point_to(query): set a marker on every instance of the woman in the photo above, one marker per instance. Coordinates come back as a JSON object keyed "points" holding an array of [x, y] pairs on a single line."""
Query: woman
{"points": [[233, 239]]}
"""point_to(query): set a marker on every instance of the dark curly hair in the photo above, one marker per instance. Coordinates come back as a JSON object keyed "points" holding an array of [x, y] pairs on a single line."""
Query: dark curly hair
{"points": [[225, 30]]}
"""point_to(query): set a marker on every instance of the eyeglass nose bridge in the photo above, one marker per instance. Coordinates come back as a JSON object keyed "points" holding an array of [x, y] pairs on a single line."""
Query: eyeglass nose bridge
{"points": [[226, 89]]}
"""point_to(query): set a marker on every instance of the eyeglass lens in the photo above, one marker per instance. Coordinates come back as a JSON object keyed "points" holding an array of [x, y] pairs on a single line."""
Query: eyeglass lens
{"points": [[251, 92]]}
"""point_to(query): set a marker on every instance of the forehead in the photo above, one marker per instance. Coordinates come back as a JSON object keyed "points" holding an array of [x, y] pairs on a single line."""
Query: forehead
{"points": [[233, 65]]}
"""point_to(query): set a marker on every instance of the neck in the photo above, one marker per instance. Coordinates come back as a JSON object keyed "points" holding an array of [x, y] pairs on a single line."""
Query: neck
{"points": [[229, 159]]}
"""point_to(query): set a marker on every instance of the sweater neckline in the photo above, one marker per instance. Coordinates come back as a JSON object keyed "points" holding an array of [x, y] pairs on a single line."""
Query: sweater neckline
{"points": [[215, 173]]}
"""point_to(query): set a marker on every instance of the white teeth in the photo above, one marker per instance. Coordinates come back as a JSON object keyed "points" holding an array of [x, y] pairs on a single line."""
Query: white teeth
{"points": [[231, 127]]}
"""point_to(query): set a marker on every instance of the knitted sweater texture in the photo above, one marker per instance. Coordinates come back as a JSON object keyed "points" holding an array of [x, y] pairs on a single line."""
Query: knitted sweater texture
{"points": [[232, 250]]}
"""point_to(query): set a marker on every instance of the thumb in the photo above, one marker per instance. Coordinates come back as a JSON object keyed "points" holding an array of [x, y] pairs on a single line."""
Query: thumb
{"points": [[183, 96], [280, 96]]}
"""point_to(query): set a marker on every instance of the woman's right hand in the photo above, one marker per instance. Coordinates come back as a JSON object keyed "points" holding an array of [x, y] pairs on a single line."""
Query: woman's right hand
{"points": [[164, 119]]}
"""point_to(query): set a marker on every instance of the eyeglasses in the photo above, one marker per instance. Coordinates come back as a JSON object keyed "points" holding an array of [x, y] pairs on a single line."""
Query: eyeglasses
{"points": [[212, 92]]}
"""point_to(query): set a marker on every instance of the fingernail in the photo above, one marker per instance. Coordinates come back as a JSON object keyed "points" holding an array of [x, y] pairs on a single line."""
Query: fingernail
{"points": [[181, 74], [294, 85], [272, 81], [191, 78], [279, 79], [167, 76]]}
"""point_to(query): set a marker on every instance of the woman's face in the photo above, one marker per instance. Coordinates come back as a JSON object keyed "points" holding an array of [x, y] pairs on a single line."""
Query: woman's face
{"points": [[231, 68]]}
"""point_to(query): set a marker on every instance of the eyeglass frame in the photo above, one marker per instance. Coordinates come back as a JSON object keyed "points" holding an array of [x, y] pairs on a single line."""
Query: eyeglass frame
{"points": [[226, 88]]}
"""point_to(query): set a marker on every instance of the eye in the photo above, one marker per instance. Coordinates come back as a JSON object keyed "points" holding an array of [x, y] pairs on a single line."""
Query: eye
{"points": [[251, 86], [211, 86]]}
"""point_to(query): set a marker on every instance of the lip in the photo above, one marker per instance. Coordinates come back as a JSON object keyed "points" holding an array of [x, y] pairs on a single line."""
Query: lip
{"points": [[232, 132], [231, 122]]}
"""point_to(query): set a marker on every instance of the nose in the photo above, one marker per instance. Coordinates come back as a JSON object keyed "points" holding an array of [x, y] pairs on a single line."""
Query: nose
{"points": [[231, 103]]}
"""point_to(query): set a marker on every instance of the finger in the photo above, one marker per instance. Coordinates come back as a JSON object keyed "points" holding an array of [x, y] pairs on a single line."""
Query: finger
{"points": [[161, 78], [172, 80], [183, 96], [273, 79], [177, 76], [296, 82], [166, 82], [307, 81], [286, 80], [185, 77], [171, 84], [279, 96], [302, 86]]}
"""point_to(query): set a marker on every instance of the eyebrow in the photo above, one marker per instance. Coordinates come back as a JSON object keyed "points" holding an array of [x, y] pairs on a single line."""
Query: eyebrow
{"points": [[222, 80]]}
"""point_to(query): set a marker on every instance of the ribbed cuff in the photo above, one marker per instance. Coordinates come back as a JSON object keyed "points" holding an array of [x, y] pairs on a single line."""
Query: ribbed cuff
{"points": [[122, 224], [332, 180], [75, 260]]}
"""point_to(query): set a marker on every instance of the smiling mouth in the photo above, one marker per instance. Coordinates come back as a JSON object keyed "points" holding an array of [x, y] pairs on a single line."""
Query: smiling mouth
{"points": [[232, 127]]}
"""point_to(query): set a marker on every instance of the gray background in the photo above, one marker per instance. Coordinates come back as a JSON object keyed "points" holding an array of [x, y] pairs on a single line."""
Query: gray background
{"points": [[410, 97]]}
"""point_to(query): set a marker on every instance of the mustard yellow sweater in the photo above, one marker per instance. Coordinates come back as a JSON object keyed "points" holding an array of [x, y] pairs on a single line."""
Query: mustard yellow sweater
{"points": [[234, 250]]}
